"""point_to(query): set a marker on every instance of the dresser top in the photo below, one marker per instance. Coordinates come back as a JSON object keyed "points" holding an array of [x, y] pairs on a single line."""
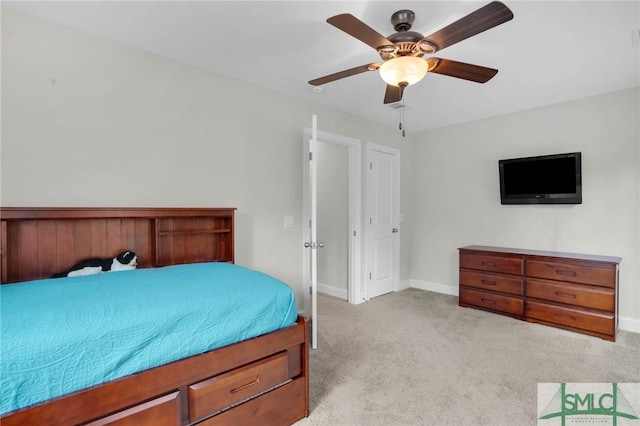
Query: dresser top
{"points": [[579, 256]]}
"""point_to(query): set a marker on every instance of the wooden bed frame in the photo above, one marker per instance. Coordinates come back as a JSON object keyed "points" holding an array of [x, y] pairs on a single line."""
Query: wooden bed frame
{"points": [[263, 380]]}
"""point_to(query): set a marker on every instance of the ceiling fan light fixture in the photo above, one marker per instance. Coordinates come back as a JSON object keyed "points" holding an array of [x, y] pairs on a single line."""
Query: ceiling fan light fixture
{"points": [[403, 70]]}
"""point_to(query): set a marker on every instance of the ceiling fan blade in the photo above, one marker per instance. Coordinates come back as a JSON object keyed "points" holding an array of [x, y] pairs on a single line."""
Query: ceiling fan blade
{"points": [[342, 74], [358, 29], [461, 70], [393, 94], [485, 18]]}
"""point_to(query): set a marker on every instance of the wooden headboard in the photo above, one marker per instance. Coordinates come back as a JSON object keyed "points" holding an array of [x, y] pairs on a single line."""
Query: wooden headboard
{"points": [[38, 242]]}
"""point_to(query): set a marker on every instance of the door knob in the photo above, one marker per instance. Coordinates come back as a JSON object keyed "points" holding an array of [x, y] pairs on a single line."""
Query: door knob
{"points": [[394, 230], [313, 245]]}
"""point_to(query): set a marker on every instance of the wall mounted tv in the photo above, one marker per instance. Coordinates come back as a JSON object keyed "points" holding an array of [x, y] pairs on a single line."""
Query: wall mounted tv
{"points": [[546, 179]]}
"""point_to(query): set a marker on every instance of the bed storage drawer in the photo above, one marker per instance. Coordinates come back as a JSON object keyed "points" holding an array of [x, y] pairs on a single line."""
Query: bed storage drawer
{"points": [[217, 393], [491, 301], [492, 282], [160, 411], [573, 318], [266, 409]]}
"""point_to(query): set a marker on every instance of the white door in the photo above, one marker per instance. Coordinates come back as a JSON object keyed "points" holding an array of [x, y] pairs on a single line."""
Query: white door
{"points": [[311, 245], [383, 220], [309, 220]]}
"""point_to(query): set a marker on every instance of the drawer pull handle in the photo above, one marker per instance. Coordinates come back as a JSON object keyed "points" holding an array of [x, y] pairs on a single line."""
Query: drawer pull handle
{"points": [[567, 295], [489, 301], [566, 273], [566, 316], [243, 387], [489, 282], [485, 263]]}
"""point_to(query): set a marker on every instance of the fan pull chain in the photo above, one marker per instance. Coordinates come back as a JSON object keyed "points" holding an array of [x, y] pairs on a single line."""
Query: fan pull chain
{"points": [[403, 134], [401, 124]]}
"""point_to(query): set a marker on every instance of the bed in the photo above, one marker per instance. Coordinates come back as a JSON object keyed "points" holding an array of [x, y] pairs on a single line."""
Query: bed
{"points": [[255, 376]]}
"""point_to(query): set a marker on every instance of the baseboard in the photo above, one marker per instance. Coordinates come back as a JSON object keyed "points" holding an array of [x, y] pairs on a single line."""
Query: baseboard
{"points": [[333, 291], [629, 324], [624, 323], [404, 284], [436, 287]]}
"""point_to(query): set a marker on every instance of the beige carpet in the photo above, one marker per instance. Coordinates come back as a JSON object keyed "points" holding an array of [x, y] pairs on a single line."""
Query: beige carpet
{"points": [[416, 358]]}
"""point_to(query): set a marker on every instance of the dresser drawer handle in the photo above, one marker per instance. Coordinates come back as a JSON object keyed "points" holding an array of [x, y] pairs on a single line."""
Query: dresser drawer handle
{"points": [[566, 316], [567, 295], [488, 301], [566, 273], [489, 282], [486, 263], [243, 387]]}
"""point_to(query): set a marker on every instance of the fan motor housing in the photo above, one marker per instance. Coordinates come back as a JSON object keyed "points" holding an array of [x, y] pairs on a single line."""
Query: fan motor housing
{"points": [[402, 36], [407, 43], [403, 19]]}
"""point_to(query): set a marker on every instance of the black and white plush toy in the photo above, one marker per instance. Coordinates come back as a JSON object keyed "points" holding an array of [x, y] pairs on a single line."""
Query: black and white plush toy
{"points": [[125, 261]]}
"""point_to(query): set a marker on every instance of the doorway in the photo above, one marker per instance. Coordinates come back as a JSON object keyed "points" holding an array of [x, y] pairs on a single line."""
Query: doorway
{"points": [[333, 218], [347, 152]]}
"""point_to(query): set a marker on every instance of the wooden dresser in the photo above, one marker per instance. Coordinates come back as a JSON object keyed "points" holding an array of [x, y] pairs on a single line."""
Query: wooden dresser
{"points": [[577, 292]]}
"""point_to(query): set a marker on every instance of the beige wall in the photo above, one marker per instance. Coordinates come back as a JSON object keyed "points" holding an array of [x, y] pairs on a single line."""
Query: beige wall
{"points": [[457, 197], [89, 122]]}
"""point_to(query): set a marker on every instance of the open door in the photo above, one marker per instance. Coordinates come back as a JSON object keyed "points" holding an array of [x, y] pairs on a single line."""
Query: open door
{"points": [[310, 243], [311, 140]]}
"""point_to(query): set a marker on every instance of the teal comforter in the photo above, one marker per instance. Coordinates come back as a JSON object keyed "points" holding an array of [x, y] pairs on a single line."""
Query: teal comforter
{"points": [[62, 335]]}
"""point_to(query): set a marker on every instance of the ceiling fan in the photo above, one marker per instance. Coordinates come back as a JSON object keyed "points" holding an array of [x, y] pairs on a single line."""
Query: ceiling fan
{"points": [[402, 52]]}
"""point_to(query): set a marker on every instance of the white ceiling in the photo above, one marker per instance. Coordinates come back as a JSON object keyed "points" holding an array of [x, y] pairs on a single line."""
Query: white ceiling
{"points": [[552, 51]]}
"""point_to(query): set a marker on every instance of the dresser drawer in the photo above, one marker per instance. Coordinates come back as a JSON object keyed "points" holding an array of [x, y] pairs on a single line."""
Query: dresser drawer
{"points": [[586, 296], [572, 317], [222, 391], [494, 302], [572, 272], [499, 283], [505, 265]]}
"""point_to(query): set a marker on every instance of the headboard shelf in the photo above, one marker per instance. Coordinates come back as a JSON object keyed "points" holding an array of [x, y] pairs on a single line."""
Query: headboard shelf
{"points": [[195, 231], [37, 242], [24, 213]]}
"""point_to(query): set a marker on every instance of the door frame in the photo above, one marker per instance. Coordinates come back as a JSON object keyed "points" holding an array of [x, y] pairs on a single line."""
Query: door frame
{"points": [[354, 149], [397, 212]]}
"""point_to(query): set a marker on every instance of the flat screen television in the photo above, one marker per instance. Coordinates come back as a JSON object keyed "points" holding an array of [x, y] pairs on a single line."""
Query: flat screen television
{"points": [[545, 179]]}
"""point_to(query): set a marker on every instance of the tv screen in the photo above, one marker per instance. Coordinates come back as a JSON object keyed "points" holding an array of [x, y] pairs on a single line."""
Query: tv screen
{"points": [[546, 179]]}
